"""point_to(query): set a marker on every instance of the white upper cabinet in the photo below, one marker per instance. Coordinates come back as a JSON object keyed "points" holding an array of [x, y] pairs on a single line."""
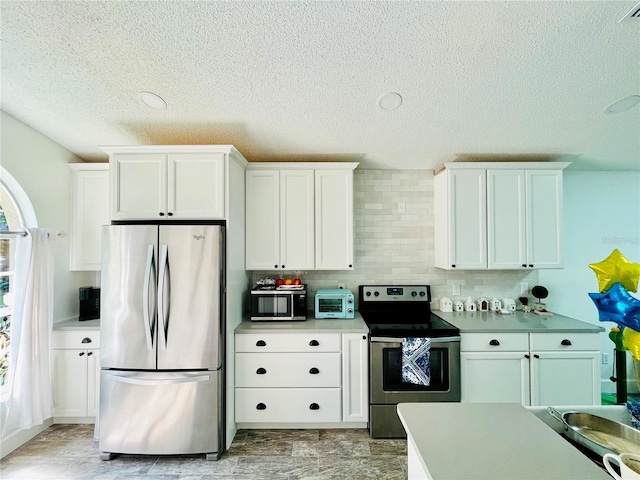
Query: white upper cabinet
{"points": [[334, 219], [299, 216], [461, 219], [89, 211], [499, 216], [169, 182]]}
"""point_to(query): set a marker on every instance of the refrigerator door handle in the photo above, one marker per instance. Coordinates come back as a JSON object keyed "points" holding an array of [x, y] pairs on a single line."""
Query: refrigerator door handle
{"points": [[148, 270], [136, 379], [162, 318]]}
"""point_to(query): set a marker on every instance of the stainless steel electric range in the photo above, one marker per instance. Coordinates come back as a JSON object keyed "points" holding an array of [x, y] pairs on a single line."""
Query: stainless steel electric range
{"points": [[394, 312]]}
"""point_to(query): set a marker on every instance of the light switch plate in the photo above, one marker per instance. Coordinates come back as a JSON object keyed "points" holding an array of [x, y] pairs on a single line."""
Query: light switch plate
{"points": [[455, 290]]}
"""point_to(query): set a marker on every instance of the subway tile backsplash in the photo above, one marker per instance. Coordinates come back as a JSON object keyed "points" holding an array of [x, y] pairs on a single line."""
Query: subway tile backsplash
{"points": [[398, 248]]}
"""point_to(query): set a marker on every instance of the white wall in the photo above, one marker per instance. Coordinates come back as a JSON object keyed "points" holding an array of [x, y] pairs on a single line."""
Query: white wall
{"points": [[601, 213], [41, 167]]}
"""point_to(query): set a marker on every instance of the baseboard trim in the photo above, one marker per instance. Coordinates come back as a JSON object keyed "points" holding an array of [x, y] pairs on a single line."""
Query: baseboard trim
{"points": [[20, 437]]}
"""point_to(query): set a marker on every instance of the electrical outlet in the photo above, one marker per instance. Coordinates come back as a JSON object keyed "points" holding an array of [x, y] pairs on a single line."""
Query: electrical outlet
{"points": [[524, 288], [402, 207], [455, 290], [605, 358], [341, 286]]}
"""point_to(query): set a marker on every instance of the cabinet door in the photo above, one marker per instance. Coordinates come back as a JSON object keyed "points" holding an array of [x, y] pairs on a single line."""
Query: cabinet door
{"points": [[297, 235], [138, 186], [544, 210], [467, 219], [262, 219], [69, 383], [195, 186], [500, 377], [93, 382], [90, 210], [355, 377], [565, 378], [334, 219], [506, 219]]}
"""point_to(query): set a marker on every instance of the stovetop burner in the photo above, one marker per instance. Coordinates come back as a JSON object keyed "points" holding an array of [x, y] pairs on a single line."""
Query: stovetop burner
{"points": [[401, 311]]}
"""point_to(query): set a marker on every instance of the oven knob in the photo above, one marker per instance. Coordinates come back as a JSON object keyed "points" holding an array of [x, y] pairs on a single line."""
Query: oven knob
{"points": [[350, 301], [422, 294], [414, 294], [376, 293], [368, 294]]}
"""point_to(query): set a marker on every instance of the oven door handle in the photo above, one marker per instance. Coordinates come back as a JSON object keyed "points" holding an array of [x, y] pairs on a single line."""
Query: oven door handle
{"points": [[399, 340]]}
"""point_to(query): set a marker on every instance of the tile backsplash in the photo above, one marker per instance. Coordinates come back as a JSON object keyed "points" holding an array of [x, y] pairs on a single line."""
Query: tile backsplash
{"points": [[398, 248]]}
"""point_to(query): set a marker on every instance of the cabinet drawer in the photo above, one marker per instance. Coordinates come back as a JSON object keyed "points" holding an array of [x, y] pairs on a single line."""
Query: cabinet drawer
{"points": [[288, 342], [564, 341], [288, 369], [76, 339], [288, 405], [494, 342]]}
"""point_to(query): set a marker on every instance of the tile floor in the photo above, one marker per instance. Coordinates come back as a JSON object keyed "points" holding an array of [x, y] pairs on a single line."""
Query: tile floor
{"points": [[69, 452]]}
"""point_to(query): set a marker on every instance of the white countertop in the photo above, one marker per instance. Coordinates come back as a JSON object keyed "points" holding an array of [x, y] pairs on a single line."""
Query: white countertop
{"points": [[517, 322], [328, 325], [78, 325], [480, 441]]}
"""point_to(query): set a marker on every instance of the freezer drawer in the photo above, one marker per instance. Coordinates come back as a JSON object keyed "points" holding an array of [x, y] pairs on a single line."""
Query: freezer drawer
{"points": [[161, 413]]}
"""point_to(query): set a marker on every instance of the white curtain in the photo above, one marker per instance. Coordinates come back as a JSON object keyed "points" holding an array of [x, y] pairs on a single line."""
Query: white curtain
{"points": [[30, 395]]}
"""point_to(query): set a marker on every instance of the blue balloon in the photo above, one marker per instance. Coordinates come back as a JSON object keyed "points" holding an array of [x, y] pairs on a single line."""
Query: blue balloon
{"points": [[617, 305]]}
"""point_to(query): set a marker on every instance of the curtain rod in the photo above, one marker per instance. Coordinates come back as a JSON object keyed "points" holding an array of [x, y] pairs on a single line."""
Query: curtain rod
{"points": [[23, 233]]}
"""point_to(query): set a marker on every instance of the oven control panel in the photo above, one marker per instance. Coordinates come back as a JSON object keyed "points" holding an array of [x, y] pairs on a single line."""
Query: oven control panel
{"points": [[395, 293]]}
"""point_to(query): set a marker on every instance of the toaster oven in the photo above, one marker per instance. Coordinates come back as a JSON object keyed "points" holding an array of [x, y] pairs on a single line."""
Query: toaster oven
{"points": [[334, 303]]}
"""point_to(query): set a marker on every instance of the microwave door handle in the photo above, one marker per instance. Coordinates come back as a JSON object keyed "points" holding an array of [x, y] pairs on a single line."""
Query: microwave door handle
{"points": [[162, 273], [146, 290]]}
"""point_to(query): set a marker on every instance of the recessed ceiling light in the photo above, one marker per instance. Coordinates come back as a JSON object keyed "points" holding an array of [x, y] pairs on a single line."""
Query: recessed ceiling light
{"points": [[152, 100], [623, 104], [389, 101]]}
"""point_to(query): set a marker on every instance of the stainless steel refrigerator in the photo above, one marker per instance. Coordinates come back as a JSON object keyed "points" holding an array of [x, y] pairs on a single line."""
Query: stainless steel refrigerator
{"points": [[161, 335]]}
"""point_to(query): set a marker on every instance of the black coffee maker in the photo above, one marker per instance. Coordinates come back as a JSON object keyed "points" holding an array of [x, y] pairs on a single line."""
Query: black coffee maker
{"points": [[89, 303]]}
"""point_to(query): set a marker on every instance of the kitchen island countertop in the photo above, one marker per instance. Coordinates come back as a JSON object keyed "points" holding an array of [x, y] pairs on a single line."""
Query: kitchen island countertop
{"points": [[482, 441], [327, 325], [517, 322]]}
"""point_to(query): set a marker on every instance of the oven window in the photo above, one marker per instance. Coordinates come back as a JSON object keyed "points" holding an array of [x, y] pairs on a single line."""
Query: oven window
{"points": [[274, 305], [330, 305], [392, 371]]}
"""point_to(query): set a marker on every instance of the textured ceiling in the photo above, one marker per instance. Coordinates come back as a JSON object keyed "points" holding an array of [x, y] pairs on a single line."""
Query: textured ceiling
{"points": [[299, 80]]}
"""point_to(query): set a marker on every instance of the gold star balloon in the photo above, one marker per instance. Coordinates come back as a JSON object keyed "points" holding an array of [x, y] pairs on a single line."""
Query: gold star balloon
{"points": [[616, 268]]}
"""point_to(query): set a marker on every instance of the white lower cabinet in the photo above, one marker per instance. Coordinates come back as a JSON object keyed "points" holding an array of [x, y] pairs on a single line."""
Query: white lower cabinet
{"points": [[531, 368], [300, 378], [76, 376]]}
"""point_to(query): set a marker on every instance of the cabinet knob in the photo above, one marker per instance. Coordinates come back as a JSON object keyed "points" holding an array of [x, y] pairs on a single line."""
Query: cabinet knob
{"points": [[524, 265], [261, 371], [261, 406], [314, 406], [282, 266], [161, 214], [453, 266], [364, 337], [350, 265], [275, 266], [494, 342], [89, 354], [531, 265], [314, 343], [170, 214], [314, 371], [566, 342], [261, 343], [527, 356], [535, 355], [81, 354], [86, 340]]}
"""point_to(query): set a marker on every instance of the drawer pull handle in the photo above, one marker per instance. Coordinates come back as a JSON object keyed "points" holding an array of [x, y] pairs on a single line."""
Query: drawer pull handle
{"points": [[81, 354], [261, 343], [314, 343], [314, 406], [494, 342], [261, 371], [314, 371], [261, 406], [86, 340], [535, 355], [89, 354], [566, 342], [527, 356]]}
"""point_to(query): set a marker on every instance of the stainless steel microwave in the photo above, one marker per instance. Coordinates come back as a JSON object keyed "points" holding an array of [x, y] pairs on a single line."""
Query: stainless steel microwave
{"points": [[278, 305], [334, 303]]}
